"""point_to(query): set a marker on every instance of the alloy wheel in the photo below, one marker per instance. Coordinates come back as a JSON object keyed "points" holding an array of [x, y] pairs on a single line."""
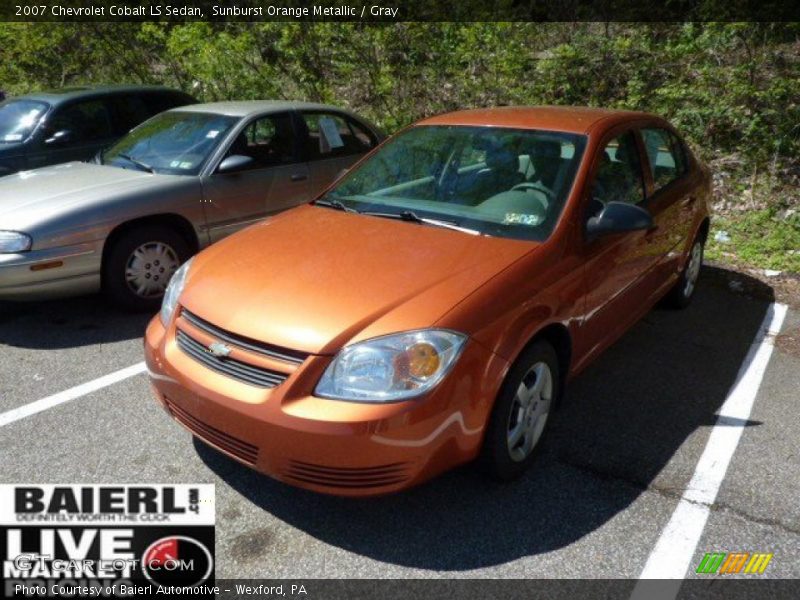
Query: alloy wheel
{"points": [[529, 411]]}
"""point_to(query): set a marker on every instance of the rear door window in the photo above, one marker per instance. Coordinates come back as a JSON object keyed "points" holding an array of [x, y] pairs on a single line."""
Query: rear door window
{"points": [[664, 155], [330, 135]]}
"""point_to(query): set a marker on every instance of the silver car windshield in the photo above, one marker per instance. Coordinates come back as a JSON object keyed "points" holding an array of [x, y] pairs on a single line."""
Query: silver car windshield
{"points": [[177, 143], [18, 119], [491, 180]]}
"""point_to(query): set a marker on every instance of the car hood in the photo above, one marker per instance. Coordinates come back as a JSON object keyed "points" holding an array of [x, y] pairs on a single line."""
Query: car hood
{"points": [[315, 279], [29, 196]]}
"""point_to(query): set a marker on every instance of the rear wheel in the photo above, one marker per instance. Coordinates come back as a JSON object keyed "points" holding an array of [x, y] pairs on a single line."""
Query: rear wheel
{"points": [[681, 295], [139, 265], [521, 413]]}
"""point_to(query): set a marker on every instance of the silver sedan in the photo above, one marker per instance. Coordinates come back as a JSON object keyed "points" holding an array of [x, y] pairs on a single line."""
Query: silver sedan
{"points": [[124, 222]]}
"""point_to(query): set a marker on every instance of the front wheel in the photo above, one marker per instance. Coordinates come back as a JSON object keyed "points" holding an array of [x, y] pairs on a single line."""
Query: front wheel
{"points": [[521, 413], [139, 265], [681, 295]]}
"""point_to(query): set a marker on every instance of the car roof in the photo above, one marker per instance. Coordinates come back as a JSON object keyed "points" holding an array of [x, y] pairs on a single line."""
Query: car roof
{"points": [[572, 119], [245, 108], [61, 95]]}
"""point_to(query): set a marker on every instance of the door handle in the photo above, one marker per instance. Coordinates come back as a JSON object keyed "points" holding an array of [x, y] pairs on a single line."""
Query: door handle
{"points": [[299, 177]]}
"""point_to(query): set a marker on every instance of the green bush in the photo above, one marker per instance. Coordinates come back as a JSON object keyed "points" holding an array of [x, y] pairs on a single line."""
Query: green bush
{"points": [[732, 88]]}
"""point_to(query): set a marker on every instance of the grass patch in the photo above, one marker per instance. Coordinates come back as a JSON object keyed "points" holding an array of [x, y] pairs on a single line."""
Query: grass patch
{"points": [[757, 239]]}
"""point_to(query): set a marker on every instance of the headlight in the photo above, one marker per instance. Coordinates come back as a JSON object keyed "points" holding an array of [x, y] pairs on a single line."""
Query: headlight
{"points": [[13, 241], [390, 368], [173, 292]]}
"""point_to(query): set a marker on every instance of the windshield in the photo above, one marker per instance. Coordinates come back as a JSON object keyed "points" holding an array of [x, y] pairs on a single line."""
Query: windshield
{"points": [[177, 143], [496, 181], [18, 119]]}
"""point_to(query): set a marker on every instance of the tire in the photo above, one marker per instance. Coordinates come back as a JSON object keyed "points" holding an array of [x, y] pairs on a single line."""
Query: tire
{"points": [[680, 296], [537, 368], [142, 259]]}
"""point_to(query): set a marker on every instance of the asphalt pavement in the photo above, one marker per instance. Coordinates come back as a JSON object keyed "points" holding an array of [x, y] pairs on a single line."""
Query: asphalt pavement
{"points": [[618, 460]]}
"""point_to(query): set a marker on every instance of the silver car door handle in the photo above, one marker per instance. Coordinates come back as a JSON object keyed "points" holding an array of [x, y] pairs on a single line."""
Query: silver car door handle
{"points": [[299, 177]]}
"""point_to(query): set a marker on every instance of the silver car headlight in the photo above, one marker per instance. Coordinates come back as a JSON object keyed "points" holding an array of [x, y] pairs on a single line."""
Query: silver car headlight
{"points": [[173, 292], [393, 367], [14, 241]]}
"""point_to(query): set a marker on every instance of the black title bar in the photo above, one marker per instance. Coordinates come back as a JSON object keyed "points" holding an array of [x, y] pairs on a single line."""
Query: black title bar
{"points": [[378, 11]]}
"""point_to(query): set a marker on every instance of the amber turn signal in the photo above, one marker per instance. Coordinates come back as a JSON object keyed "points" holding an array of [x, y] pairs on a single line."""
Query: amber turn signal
{"points": [[423, 360]]}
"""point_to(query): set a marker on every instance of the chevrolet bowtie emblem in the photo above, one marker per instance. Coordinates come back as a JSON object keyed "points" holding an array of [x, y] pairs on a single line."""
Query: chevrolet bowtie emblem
{"points": [[219, 349]]}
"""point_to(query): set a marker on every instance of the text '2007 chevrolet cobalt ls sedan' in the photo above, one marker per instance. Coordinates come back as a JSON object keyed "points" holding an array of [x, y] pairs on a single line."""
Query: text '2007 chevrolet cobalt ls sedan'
{"points": [[428, 308]]}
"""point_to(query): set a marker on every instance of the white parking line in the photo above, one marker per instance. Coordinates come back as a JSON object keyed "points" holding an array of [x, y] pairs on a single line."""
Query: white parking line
{"points": [[676, 546], [71, 394]]}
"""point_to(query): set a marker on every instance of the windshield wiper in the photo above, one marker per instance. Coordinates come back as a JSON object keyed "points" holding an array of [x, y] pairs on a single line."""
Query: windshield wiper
{"points": [[412, 217], [138, 163], [334, 203]]}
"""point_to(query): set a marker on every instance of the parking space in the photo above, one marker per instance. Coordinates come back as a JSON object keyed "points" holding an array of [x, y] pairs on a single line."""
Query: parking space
{"points": [[619, 458]]}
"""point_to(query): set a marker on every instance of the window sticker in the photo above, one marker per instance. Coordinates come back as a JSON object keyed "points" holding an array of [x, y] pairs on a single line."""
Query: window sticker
{"points": [[185, 165], [212, 134], [522, 219], [174, 164], [328, 128]]}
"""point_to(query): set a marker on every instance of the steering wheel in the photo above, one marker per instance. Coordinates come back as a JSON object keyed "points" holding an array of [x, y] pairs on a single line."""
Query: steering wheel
{"points": [[537, 187]]}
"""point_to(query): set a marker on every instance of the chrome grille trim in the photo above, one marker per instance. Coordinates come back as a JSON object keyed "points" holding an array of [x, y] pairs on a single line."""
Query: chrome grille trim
{"points": [[284, 354], [229, 366]]}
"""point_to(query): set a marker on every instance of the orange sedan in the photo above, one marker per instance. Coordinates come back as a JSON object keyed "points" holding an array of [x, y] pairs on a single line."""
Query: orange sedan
{"points": [[428, 308]]}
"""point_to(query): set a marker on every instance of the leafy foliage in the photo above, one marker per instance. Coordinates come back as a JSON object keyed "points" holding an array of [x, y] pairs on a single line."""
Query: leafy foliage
{"points": [[732, 88]]}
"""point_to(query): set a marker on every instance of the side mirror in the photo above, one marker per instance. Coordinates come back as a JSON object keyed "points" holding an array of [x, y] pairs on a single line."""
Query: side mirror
{"points": [[618, 217], [234, 163], [62, 136]]}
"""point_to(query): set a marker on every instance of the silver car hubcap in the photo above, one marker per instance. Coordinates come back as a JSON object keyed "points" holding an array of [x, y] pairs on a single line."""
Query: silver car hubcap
{"points": [[149, 269], [693, 269], [529, 411]]}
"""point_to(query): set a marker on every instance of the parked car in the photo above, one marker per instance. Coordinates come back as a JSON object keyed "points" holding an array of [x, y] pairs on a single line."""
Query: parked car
{"points": [[176, 183], [429, 307], [58, 126]]}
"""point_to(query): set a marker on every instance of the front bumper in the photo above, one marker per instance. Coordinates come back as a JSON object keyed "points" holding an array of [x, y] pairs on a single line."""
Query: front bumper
{"points": [[330, 446], [51, 272]]}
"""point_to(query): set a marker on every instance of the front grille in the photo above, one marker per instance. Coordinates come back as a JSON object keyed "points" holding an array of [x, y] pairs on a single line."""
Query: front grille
{"points": [[347, 477], [276, 352], [229, 366], [242, 450]]}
